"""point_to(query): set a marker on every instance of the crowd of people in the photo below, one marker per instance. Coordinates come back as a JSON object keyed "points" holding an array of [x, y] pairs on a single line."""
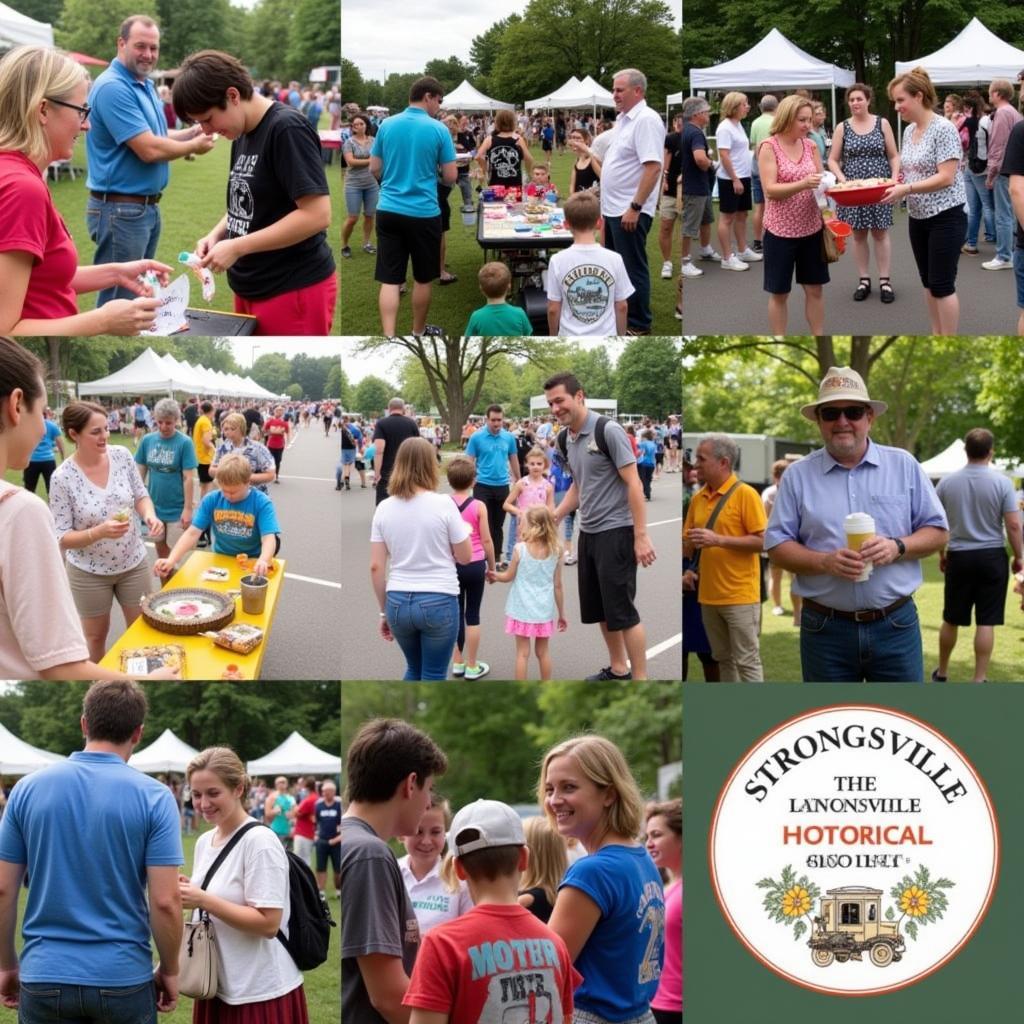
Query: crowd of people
{"points": [[853, 582], [271, 241], [958, 168], [402, 169], [433, 554], [588, 894]]}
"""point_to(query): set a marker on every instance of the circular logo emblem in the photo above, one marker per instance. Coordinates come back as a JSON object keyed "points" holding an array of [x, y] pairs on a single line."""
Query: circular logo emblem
{"points": [[854, 850]]}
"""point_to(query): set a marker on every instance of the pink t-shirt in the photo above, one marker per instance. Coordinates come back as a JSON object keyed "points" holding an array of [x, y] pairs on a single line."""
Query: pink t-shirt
{"points": [[532, 494], [471, 515], [670, 989], [797, 216], [39, 626]]}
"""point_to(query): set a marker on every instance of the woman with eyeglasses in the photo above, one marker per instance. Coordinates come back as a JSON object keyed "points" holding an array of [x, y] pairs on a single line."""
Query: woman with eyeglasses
{"points": [[43, 110]]}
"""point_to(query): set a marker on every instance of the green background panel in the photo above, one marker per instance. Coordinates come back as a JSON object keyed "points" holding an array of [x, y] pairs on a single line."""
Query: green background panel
{"points": [[725, 984]]}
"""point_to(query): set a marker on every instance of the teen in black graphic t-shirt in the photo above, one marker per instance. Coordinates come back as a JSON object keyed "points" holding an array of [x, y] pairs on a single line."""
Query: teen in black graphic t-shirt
{"points": [[272, 242]]}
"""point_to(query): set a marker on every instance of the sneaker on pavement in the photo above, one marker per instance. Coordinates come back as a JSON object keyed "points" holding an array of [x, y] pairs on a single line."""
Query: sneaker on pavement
{"points": [[481, 669], [997, 264], [757, 245], [710, 254], [666, 270], [607, 673], [750, 256], [458, 668], [689, 270], [678, 313], [734, 263]]}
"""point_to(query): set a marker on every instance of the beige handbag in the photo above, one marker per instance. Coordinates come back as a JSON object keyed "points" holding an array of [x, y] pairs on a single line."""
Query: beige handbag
{"points": [[198, 962]]}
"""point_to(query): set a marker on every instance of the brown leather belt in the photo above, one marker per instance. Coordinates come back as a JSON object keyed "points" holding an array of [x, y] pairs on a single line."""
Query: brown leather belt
{"points": [[117, 197], [863, 615]]}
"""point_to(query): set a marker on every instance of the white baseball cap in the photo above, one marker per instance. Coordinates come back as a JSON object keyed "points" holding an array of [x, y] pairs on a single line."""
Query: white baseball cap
{"points": [[495, 823]]}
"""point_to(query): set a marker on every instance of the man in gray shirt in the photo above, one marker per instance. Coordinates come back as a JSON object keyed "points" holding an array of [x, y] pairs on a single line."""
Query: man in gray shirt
{"points": [[613, 526], [979, 504]]}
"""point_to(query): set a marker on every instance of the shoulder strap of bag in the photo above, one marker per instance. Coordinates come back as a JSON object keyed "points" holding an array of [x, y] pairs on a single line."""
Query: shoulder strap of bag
{"points": [[231, 844], [695, 561], [462, 508]]}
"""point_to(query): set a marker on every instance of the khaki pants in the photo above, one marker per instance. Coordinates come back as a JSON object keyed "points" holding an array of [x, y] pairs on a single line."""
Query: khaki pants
{"points": [[733, 631]]}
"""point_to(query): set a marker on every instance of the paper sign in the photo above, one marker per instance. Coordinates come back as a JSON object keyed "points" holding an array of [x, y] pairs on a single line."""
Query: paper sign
{"points": [[170, 316]]}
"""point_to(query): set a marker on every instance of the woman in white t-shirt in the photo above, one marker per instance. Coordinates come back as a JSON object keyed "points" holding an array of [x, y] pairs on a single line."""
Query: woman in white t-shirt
{"points": [[247, 899], [735, 167], [424, 535]]}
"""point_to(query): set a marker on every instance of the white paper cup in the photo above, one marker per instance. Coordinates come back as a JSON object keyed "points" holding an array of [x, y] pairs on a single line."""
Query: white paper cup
{"points": [[859, 527]]}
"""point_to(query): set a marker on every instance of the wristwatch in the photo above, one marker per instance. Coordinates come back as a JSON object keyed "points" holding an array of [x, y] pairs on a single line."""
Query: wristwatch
{"points": [[901, 546], [636, 206]]}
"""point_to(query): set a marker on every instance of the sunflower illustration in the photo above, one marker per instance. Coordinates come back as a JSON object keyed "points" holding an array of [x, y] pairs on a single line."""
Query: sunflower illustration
{"points": [[914, 901], [788, 900], [796, 902], [920, 900]]}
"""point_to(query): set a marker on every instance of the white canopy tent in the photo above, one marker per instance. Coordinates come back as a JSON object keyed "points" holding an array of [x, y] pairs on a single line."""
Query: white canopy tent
{"points": [[674, 100], [773, 63], [17, 29], [575, 94], [552, 98], [468, 97], [20, 758], [974, 57], [950, 459], [294, 757], [166, 753]]}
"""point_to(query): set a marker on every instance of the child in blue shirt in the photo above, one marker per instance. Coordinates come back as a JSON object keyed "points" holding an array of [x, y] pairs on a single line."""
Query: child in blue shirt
{"points": [[241, 519], [647, 449]]}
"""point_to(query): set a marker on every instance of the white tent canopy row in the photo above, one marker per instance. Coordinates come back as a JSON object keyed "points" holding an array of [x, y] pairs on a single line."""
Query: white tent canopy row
{"points": [[773, 63], [954, 458], [468, 97], [20, 758], [974, 57], [572, 94], [19, 29], [166, 753], [150, 373], [296, 756]]}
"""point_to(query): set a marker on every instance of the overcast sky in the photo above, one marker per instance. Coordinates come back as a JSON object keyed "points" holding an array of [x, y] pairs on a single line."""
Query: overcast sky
{"points": [[414, 37], [246, 351]]}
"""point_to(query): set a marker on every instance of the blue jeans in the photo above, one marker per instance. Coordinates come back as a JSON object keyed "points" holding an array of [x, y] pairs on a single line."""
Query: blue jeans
{"points": [[1005, 220], [122, 232], [570, 520], [834, 650], [425, 626], [49, 1002], [632, 247], [979, 199], [510, 541]]}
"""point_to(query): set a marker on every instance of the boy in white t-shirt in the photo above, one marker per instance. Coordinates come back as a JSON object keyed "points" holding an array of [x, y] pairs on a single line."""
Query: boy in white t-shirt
{"points": [[587, 284]]}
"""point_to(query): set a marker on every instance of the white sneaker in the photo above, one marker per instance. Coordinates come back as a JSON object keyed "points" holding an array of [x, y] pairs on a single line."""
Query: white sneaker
{"points": [[778, 610], [689, 270], [666, 270], [734, 263], [749, 256], [998, 264], [710, 254]]}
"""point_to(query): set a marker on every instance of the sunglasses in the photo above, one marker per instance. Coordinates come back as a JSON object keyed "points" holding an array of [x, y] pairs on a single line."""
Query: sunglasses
{"points": [[83, 112], [851, 412]]}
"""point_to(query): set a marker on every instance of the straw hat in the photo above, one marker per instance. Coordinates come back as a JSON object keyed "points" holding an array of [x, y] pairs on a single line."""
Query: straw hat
{"points": [[842, 383]]}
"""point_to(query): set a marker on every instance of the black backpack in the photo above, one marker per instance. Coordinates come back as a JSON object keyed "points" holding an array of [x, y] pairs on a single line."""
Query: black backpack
{"points": [[562, 439]]}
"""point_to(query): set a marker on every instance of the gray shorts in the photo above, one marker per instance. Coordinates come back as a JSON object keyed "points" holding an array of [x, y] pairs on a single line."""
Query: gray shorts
{"points": [[94, 594], [697, 210]]}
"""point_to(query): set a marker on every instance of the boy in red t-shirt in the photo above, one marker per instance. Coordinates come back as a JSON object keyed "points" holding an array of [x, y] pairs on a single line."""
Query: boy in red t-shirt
{"points": [[497, 963]]}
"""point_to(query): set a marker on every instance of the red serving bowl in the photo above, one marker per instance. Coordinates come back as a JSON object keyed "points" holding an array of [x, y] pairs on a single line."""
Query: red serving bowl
{"points": [[859, 196]]}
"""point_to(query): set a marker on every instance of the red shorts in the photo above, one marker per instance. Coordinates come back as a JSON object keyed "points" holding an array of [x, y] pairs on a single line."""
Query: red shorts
{"points": [[305, 312]]}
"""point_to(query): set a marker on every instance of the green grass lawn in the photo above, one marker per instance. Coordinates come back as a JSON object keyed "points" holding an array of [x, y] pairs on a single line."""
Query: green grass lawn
{"points": [[780, 640], [191, 205], [13, 476], [323, 986], [451, 305]]}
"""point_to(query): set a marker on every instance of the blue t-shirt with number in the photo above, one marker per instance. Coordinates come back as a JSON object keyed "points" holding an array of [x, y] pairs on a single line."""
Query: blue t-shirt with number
{"points": [[86, 830], [621, 959], [238, 528], [166, 459], [328, 819]]}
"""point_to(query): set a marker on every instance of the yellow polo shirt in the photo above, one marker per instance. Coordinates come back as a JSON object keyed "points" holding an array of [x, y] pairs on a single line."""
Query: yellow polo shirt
{"points": [[728, 576]]}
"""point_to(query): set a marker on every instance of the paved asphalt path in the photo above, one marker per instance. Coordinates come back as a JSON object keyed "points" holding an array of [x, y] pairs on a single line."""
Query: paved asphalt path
{"points": [[305, 639], [731, 302], [577, 653]]}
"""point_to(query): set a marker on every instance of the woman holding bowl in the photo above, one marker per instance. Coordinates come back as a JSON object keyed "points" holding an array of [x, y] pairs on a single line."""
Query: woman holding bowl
{"points": [[790, 172], [94, 496], [864, 147], [43, 110], [933, 186]]}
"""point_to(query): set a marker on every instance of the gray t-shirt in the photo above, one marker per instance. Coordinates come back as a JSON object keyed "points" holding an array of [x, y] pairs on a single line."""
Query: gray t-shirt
{"points": [[378, 917], [975, 499], [604, 497], [358, 177]]}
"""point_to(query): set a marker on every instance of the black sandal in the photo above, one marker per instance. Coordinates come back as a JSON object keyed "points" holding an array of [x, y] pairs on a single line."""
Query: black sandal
{"points": [[885, 292], [863, 290]]}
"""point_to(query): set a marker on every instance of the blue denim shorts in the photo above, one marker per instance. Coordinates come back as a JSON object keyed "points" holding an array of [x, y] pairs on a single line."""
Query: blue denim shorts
{"points": [[755, 187], [1018, 273], [364, 199]]}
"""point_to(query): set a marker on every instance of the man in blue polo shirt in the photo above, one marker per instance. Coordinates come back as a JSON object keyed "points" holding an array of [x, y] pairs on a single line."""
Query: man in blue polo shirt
{"points": [[128, 147], [410, 151], [102, 844], [497, 468]]}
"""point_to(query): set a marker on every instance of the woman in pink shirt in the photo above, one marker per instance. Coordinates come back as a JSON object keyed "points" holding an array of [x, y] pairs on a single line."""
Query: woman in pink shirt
{"points": [[790, 167], [665, 845]]}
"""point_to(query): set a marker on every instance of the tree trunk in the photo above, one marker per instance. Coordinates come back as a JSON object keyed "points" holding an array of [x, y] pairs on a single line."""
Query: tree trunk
{"points": [[53, 346]]}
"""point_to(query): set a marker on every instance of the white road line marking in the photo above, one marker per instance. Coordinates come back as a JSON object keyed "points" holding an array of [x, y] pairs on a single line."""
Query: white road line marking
{"points": [[662, 522], [318, 582], [319, 479], [666, 645]]}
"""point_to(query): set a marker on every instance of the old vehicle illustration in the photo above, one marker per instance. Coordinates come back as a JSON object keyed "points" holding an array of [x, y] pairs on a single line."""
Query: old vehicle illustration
{"points": [[850, 924]]}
